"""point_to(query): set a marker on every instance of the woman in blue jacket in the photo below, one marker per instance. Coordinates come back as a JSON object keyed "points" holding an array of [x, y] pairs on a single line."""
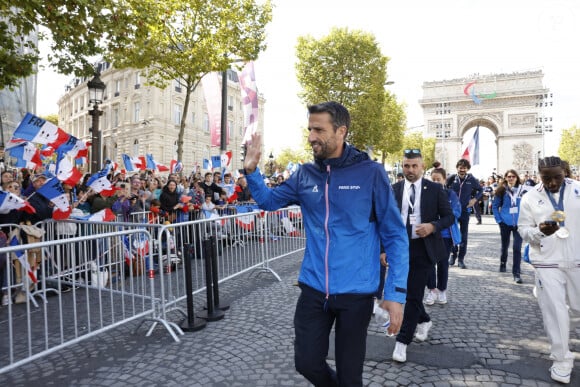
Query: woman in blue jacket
{"points": [[451, 236], [506, 208]]}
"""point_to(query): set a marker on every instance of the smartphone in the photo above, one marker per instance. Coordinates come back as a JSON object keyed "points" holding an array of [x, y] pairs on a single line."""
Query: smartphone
{"points": [[550, 222]]}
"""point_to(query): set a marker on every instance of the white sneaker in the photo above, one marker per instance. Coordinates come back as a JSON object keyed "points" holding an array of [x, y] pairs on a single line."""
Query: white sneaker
{"points": [[376, 307], [558, 374], [430, 299], [423, 330], [400, 352], [442, 297], [6, 300]]}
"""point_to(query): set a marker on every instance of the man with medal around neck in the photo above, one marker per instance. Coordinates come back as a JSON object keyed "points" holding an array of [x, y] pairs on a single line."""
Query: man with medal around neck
{"points": [[550, 221]]}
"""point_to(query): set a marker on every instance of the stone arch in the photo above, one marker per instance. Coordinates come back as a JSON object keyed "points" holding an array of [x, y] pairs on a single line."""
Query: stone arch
{"points": [[510, 105]]}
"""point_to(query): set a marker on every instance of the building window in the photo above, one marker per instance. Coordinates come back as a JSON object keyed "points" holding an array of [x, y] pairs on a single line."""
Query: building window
{"points": [[115, 117], [192, 118], [137, 80], [177, 84], [117, 87], [135, 148], [177, 110], [230, 103], [230, 126], [136, 111], [205, 123]]}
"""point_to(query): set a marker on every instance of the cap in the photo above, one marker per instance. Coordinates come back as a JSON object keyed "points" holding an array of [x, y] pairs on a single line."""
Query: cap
{"points": [[38, 176]]}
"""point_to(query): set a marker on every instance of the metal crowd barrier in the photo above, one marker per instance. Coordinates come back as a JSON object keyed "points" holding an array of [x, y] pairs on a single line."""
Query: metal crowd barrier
{"points": [[95, 276]]}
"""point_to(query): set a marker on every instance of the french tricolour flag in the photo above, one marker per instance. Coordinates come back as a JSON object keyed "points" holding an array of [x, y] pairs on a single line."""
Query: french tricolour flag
{"points": [[133, 163], [9, 202], [471, 152], [99, 183], [66, 172], [53, 191], [22, 258], [175, 166], [27, 155], [39, 131], [152, 164]]}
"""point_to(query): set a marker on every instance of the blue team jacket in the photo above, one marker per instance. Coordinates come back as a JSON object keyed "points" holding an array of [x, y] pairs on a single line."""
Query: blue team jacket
{"points": [[348, 207]]}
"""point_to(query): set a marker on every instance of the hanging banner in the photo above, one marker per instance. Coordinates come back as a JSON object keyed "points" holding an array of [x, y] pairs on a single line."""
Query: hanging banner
{"points": [[212, 93], [249, 100]]}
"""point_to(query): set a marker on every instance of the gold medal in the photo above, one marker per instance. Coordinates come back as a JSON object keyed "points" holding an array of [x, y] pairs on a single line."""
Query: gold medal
{"points": [[558, 216]]}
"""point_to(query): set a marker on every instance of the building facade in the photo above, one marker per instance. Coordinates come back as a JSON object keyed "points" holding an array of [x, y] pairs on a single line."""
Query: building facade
{"points": [[139, 119]]}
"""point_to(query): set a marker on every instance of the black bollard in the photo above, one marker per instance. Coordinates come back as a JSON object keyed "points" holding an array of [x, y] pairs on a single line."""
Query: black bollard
{"points": [[211, 314], [190, 324], [215, 279]]}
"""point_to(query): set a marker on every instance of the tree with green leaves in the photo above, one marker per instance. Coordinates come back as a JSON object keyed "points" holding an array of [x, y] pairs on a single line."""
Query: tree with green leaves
{"points": [[569, 145], [415, 140], [78, 30], [395, 119], [348, 67], [53, 118], [184, 40]]}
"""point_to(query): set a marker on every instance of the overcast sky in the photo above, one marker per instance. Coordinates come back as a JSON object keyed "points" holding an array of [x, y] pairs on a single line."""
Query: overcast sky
{"points": [[426, 41]]}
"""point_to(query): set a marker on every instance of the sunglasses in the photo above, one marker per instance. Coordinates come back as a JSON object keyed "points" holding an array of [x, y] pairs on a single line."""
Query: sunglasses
{"points": [[510, 177], [412, 151]]}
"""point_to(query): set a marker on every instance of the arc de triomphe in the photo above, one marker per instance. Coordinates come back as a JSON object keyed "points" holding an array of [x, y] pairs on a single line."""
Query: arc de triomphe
{"points": [[511, 105]]}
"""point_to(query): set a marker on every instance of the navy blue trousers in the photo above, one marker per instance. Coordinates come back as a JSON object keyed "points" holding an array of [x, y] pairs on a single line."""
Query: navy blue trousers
{"points": [[313, 321]]}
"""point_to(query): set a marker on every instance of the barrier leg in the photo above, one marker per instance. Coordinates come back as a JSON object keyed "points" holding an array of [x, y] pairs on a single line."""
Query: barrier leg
{"points": [[211, 314], [215, 280], [190, 324]]}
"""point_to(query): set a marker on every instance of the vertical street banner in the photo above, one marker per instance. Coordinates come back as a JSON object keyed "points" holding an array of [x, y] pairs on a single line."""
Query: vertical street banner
{"points": [[212, 94], [249, 100]]}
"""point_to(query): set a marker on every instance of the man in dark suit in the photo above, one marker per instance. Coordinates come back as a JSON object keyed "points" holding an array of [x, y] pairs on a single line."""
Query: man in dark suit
{"points": [[426, 211]]}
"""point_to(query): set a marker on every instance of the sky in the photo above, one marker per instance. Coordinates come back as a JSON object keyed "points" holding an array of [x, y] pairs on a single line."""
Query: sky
{"points": [[425, 41]]}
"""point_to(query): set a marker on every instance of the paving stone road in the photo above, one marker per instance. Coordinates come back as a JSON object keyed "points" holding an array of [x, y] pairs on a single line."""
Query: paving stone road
{"points": [[489, 334]]}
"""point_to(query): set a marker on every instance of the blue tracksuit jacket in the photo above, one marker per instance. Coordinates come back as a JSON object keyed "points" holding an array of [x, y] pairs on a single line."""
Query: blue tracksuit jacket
{"points": [[348, 207]]}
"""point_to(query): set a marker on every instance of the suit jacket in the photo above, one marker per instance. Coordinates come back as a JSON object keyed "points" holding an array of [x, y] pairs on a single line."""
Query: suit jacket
{"points": [[435, 209]]}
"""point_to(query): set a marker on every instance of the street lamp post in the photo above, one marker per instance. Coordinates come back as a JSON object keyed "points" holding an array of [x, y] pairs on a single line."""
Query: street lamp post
{"points": [[543, 123], [271, 163], [96, 92], [443, 129], [224, 115]]}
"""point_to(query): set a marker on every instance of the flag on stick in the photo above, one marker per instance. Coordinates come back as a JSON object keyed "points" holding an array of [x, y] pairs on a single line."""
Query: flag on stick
{"points": [[471, 152]]}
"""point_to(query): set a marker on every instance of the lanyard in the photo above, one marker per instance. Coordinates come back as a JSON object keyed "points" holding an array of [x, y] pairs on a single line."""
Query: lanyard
{"points": [[560, 205], [514, 198]]}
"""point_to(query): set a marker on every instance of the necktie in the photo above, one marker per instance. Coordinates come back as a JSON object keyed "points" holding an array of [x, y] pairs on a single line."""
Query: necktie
{"points": [[412, 199]]}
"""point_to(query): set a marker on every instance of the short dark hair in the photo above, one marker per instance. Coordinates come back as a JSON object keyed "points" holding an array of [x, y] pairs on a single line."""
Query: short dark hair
{"points": [[463, 163], [549, 162], [338, 113]]}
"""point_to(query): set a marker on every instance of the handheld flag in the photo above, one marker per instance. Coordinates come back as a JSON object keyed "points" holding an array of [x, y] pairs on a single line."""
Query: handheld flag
{"points": [[99, 183], [53, 191], [207, 164], [471, 152], [216, 161], [27, 155], [39, 131], [9, 202], [176, 166], [152, 164], [21, 255]]}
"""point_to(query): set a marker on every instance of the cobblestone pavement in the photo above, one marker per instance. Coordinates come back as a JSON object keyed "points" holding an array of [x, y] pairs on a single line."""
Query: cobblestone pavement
{"points": [[489, 334]]}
